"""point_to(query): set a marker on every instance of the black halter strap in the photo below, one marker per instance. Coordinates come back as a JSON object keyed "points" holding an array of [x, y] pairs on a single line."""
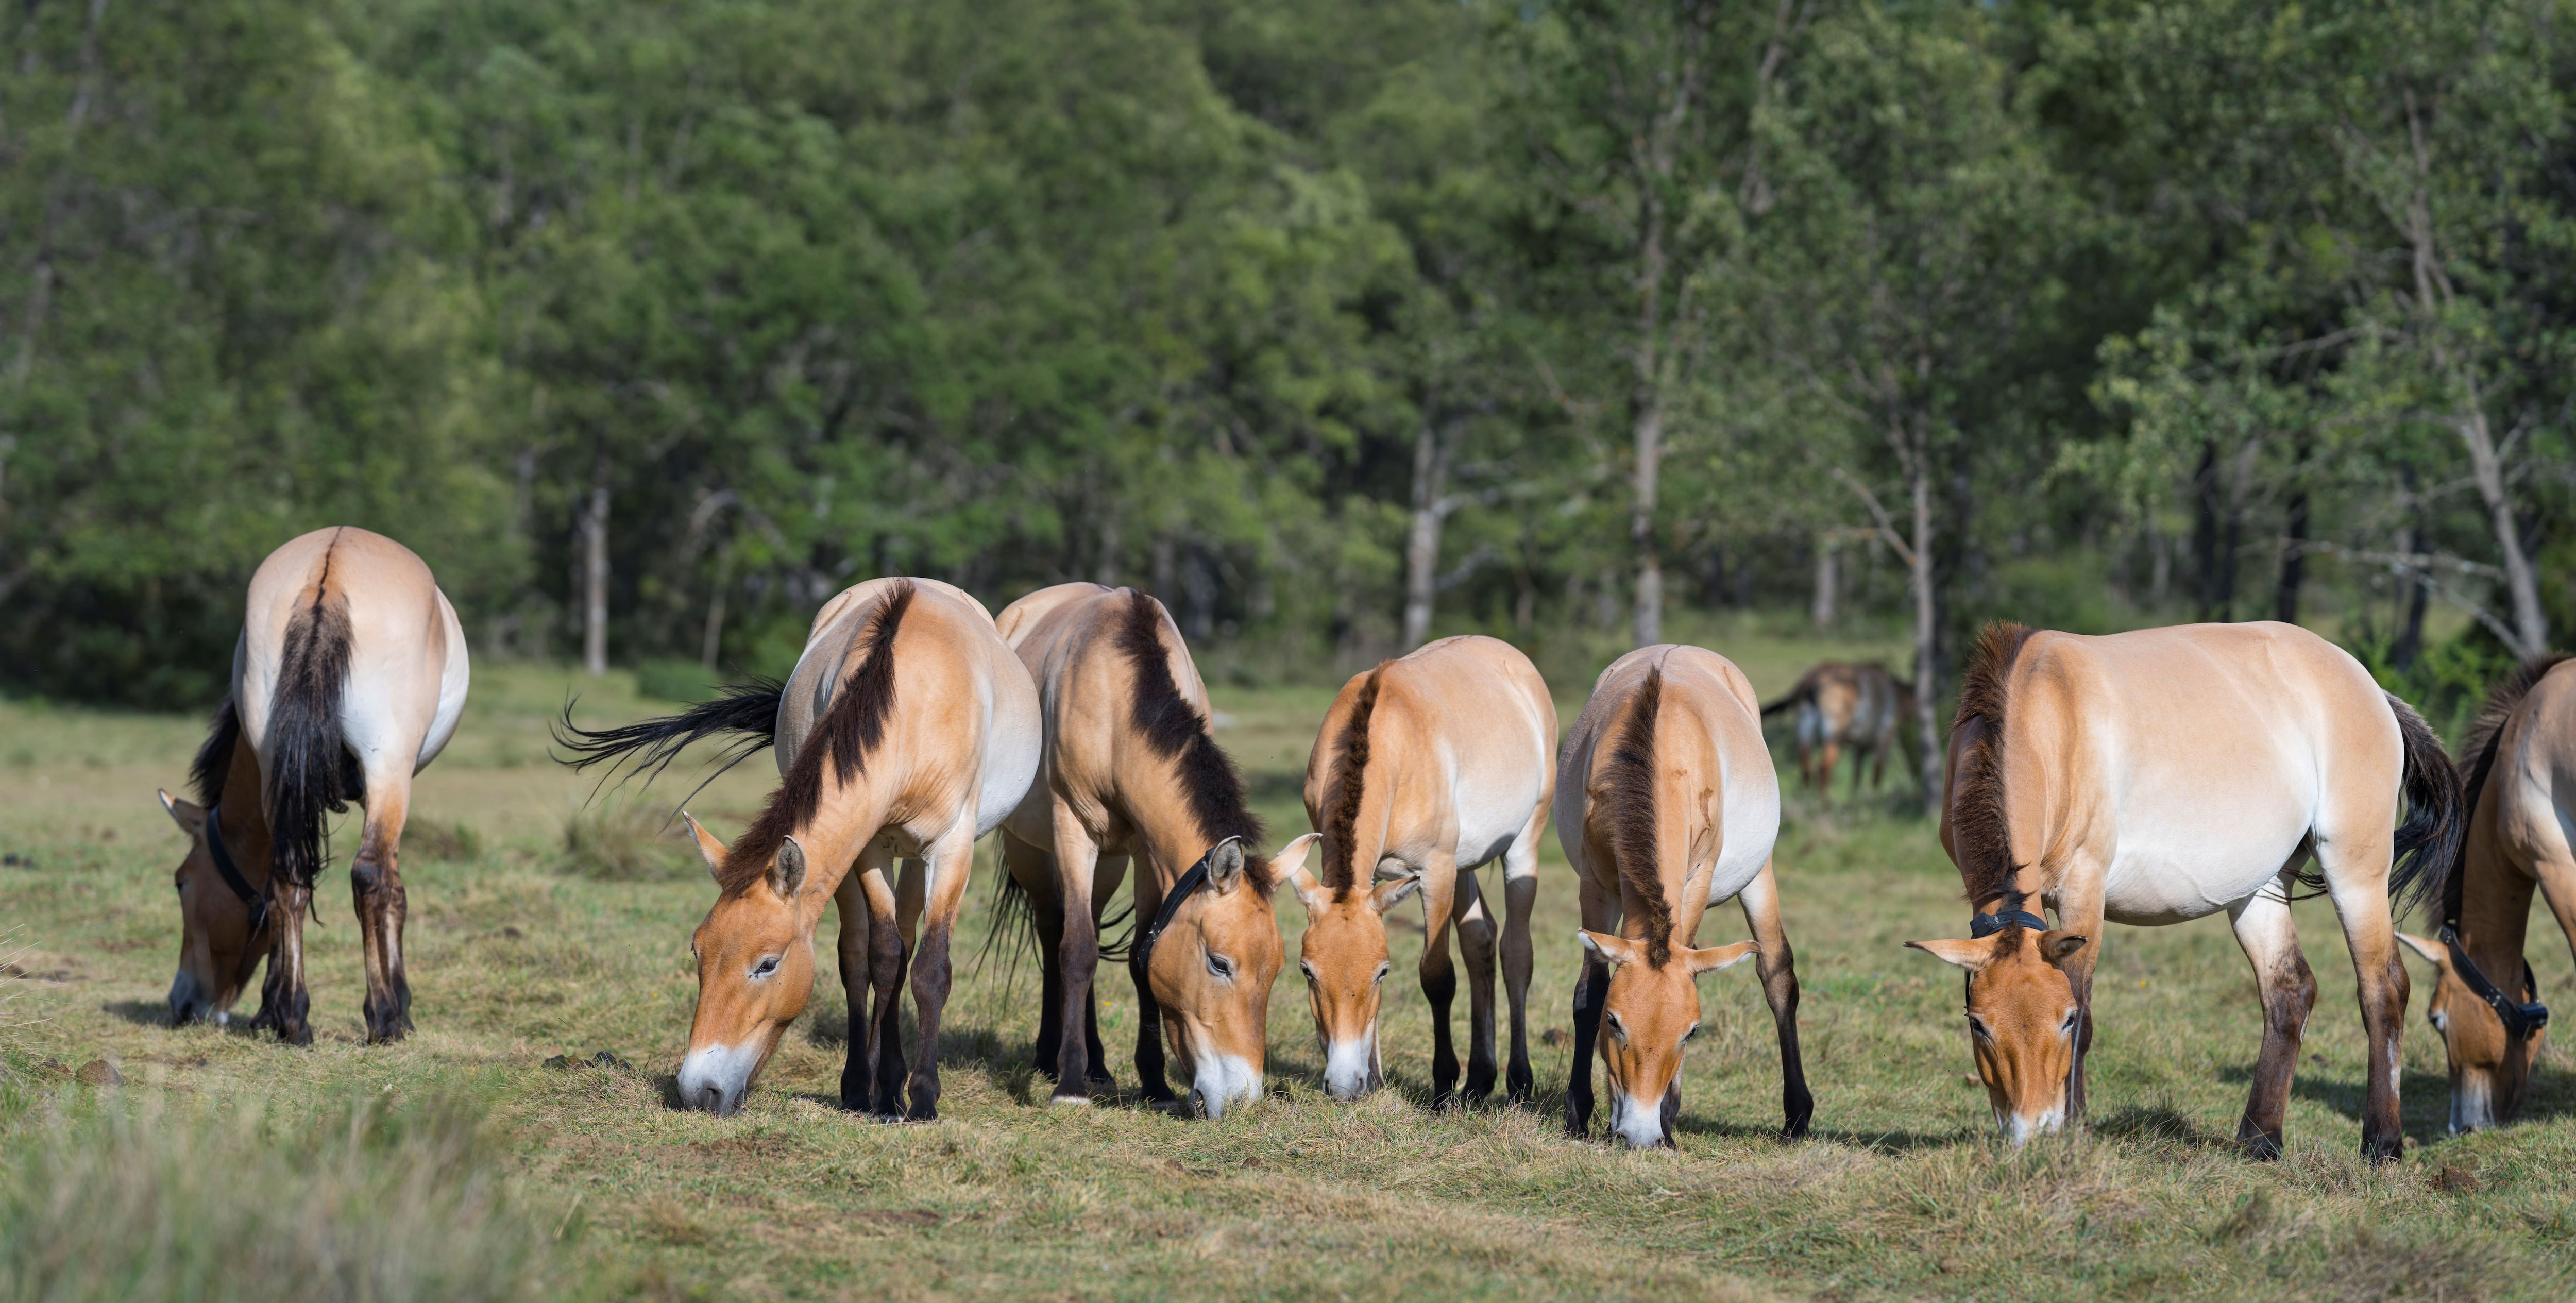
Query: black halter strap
{"points": [[1982, 926], [2521, 1018], [252, 898], [1182, 890]]}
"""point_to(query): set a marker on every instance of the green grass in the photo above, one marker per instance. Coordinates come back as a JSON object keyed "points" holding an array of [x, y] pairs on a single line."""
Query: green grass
{"points": [[517, 958]]}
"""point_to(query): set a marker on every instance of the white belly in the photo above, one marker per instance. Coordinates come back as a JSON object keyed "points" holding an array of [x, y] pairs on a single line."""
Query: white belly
{"points": [[2194, 854]]}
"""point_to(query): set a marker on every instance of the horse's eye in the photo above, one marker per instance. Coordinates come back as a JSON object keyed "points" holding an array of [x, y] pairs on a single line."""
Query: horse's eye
{"points": [[1617, 1028], [1977, 1028], [1308, 967], [764, 968], [1382, 969], [2068, 1026], [1220, 965], [1692, 1031], [2441, 1021]]}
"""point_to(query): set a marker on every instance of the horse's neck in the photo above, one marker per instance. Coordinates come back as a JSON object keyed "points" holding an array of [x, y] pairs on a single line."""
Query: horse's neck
{"points": [[849, 817], [2495, 905]]}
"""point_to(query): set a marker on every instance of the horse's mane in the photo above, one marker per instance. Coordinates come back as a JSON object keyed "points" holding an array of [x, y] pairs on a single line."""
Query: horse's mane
{"points": [[1342, 798], [2479, 747], [1628, 801], [849, 729], [1980, 829], [1174, 729], [213, 766]]}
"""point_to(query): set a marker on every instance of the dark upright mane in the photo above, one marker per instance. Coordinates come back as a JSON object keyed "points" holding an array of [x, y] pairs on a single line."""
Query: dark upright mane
{"points": [[1176, 732], [1980, 829], [1628, 800], [2479, 747], [1342, 798], [213, 766], [851, 728]]}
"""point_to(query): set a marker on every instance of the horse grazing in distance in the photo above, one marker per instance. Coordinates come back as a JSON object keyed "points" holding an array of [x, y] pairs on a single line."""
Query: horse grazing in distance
{"points": [[2521, 802], [2165, 775], [1130, 770], [348, 678], [1666, 804], [1842, 705], [906, 731], [1426, 766]]}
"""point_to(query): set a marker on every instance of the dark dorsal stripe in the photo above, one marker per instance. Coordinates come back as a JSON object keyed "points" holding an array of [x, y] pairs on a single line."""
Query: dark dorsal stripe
{"points": [[1628, 803], [1175, 730], [1342, 797]]}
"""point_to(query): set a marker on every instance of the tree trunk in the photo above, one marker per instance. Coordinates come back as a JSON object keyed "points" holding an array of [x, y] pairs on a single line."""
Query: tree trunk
{"points": [[714, 638], [2413, 592], [2204, 533], [1641, 522], [594, 595], [1822, 609], [2294, 560], [2530, 622], [1930, 738], [1422, 540]]}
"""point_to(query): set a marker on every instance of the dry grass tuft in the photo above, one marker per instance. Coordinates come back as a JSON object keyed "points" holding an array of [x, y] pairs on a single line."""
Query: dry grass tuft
{"points": [[620, 838], [450, 841]]}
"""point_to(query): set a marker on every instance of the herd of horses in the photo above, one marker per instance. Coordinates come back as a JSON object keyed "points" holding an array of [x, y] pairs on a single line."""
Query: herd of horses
{"points": [[2146, 778]]}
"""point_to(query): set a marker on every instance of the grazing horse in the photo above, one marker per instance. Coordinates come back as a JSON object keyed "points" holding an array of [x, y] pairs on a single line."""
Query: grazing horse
{"points": [[1842, 705], [348, 679], [1425, 766], [906, 731], [1130, 769], [2165, 775], [2521, 803], [1666, 804]]}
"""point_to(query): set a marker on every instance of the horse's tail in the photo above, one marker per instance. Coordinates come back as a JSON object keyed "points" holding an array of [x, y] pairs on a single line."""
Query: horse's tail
{"points": [[745, 715], [1804, 692], [2437, 823], [311, 772], [1015, 929]]}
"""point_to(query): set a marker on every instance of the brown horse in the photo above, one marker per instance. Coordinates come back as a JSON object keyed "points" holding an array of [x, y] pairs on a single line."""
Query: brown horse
{"points": [[348, 679], [1842, 705], [1130, 769], [1666, 804], [906, 731], [2165, 775], [2521, 803], [1426, 766]]}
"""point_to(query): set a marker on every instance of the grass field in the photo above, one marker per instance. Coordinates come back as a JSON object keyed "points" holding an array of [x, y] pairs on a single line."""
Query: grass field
{"points": [[459, 1164]]}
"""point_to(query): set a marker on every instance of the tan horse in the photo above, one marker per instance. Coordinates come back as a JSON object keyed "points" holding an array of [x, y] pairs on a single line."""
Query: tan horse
{"points": [[1130, 769], [348, 679], [1844, 705], [2166, 775], [2521, 803], [1667, 804], [1426, 766], [907, 731]]}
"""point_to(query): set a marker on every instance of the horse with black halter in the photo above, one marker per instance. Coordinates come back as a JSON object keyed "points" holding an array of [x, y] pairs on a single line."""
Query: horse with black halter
{"points": [[2521, 757], [1130, 769], [2170, 774], [348, 678], [906, 731]]}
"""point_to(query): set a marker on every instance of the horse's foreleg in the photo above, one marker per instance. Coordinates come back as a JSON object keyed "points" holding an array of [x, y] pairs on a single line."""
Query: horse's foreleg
{"points": [[1476, 931], [1149, 1013], [888, 947], [376, 892], [1591, 985], [1777, 965], [1077, 955], [2289, 991], [944, 890], [1439, 975], [283, 1003], [850, 901], [1520, 895], [2079, 911], [2357, 879]]}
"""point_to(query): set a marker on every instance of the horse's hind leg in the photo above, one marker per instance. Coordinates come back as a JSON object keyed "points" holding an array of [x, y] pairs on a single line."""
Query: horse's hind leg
{"points": [[1475, 926], [2289, 993], [2356, 872], [882, 1043], [1778, 967], [376, 891], [1520, 894]]}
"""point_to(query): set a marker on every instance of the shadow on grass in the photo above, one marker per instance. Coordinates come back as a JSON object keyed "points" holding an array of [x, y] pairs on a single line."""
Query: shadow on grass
{"points": [[141, 1013], [2423, 1099]]}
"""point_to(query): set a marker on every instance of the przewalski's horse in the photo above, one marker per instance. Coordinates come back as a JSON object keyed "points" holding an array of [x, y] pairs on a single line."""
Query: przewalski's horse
{"points": [[907, 731], [348, 678], [2521, 802], [1131, 770], [2165, 775], [1666, 804], [1426, 766], [1846, 706]]}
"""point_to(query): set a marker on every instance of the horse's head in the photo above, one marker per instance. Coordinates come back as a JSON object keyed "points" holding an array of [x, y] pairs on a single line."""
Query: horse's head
{"points": [[218, 945], [755, 954], [2490, 1066], [1344, 957], [1647, 1021], [2022, 1022], [1211, 971]]}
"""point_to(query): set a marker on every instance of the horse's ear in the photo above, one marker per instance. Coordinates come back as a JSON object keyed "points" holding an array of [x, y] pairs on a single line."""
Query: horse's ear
{"points": [[1719, 957], [1225, 866], [1289, 866], [1970, 955], [787, 872], [2055, 946], [1387, 895], [190, 819], [1614, 949], [2431, 952], [709, 849]]}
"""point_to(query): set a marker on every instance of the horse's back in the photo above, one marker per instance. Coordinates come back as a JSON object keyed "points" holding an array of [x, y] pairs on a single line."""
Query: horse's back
{"points": [[2534, 778], [1484, 712], [1708, 714]]}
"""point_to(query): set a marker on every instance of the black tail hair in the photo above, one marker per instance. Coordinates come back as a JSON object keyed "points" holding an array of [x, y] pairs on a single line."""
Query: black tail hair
{"points": [[745, 714], [213, 767], [1804, 691], [2437, 823], [310, 770], [1015, 930]]}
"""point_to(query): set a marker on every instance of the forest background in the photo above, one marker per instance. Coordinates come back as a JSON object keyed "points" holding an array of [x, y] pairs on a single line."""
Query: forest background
{"points": [[1337, 324]]}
